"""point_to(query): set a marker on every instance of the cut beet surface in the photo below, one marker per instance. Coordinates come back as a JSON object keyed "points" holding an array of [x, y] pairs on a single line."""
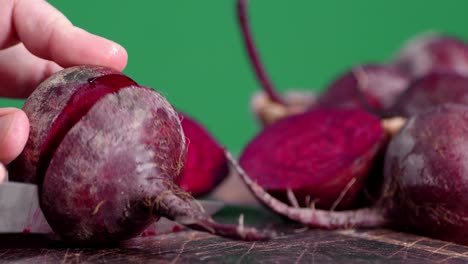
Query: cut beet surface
{"points": [[206, 164], [79, 104], [322, 156]]}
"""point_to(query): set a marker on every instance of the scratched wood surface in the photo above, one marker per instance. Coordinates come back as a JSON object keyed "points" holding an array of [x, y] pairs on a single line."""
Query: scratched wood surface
{"points": [[295, 245]]}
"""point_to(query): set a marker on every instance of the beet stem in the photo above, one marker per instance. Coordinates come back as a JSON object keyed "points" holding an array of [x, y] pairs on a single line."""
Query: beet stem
{"points": [[366, 217], [182, 208], [253, 54]]}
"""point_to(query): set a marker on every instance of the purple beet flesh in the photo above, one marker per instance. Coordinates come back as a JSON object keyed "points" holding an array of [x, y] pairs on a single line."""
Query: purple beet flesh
{"points": [[206, 164], [322, 156]]}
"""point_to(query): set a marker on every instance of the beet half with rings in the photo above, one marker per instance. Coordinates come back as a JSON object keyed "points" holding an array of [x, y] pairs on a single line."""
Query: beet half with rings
{"points": [[106, 154]]}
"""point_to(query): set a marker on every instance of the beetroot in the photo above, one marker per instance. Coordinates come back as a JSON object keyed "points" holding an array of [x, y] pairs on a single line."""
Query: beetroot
{"points": [[433, 89], [106, 154], [321, 156], [206, 164], [43, 110], [425, 169], [371, 87], [425, 189], [433, 52]]}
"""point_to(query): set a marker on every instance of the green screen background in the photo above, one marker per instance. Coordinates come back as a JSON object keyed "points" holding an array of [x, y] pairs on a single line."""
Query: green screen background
{"points": [[192, 52]]}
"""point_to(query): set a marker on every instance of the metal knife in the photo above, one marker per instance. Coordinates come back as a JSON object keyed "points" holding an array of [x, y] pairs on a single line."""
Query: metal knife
{"points": [[20, 211]]}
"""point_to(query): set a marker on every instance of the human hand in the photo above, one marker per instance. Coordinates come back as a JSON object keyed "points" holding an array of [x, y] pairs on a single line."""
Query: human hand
{"points": [[37, 40]]}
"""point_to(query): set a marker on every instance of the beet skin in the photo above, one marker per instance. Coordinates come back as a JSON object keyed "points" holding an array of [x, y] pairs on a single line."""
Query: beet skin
{"points": [[371, 87], [425, 169], [431, 90], [432, 52]]}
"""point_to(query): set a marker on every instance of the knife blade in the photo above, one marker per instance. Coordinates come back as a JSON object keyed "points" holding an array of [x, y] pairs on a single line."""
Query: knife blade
{"points": [[20, 211]]}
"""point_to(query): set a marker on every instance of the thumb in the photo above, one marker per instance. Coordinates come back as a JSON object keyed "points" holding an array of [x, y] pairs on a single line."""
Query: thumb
{"points": [[14, 132]]}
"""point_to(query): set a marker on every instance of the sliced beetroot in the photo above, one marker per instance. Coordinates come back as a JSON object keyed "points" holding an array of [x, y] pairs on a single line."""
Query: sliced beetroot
{"points": [[322, 156], [103, 195], [425, 189], [425, 172], [78, 105], [43, 109], [206, 164], [426, 53], [371, 87], [432, 90], [118, 153]]}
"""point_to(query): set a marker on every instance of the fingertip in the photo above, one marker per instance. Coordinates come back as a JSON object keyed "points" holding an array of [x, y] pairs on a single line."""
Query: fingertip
{"points": [[118, 55], [14, 132], [48, 34], [91, 49]]}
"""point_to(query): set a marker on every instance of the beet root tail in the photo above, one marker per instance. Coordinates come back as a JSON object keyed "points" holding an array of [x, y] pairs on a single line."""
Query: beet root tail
{"points": [[366, 217], [182, 208]]}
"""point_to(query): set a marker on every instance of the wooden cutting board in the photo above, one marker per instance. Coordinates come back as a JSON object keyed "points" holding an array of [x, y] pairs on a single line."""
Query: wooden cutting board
{"points": [[295, 245]]}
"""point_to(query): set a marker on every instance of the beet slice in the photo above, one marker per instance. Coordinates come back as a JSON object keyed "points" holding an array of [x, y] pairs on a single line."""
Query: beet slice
{"points": [[432, 90], [206, 165], [321, 156]]}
